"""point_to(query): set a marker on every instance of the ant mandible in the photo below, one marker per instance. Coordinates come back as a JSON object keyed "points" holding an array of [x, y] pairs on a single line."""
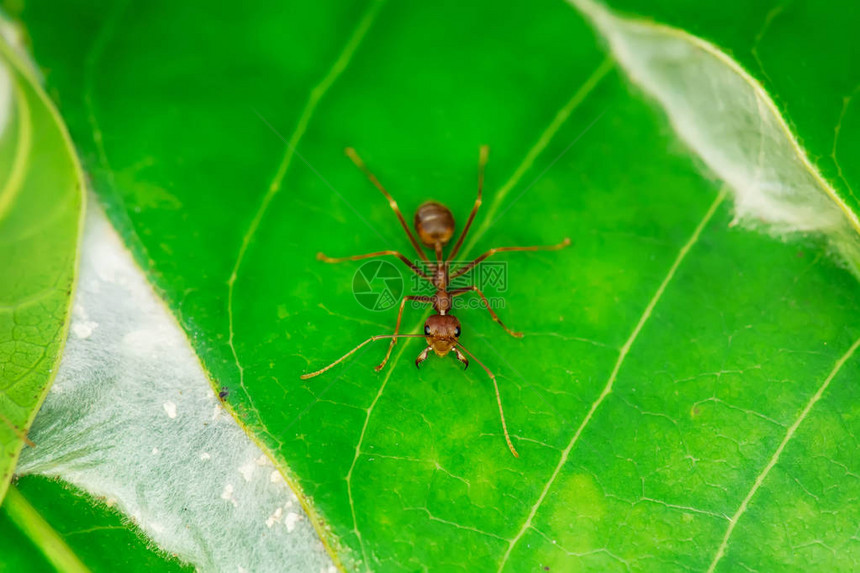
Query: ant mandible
{"points": [[434, 224]]}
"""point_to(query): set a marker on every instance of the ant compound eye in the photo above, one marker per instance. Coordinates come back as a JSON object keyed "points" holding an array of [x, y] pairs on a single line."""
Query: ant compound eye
{"points": [[457, 332], [426, 330]]}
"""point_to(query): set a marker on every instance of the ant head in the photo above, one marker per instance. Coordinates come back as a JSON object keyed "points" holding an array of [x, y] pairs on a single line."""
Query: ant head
{"points": [[442, 332]]}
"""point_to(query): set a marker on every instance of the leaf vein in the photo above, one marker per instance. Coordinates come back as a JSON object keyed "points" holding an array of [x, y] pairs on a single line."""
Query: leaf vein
{"points": [[395, 358], [316, 95], [608, 388], [789, 434]]}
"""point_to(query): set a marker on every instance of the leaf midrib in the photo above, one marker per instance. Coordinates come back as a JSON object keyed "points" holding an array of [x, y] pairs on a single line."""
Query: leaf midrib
{"points": [[316, 95], [40, 532]]}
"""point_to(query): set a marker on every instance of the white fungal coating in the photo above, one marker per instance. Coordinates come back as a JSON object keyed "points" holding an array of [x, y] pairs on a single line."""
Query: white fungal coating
{"points": [[132, 422], [732, 124]]}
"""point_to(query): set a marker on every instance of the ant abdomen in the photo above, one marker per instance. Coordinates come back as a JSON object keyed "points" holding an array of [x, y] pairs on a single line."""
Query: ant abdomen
{"points": [[434, 223]]}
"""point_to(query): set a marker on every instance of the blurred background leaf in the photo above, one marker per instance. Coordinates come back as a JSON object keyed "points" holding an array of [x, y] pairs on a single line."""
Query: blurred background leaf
{"points": [[683, 397], [98, 536], [40, 212]]}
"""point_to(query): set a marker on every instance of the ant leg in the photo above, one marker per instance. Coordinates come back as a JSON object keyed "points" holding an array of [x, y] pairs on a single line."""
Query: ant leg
{"points": [[350, 152], [466, 268], [415, 269], [482, 162], [422, 299], [464, 290], [498, 399], [353, 351]]}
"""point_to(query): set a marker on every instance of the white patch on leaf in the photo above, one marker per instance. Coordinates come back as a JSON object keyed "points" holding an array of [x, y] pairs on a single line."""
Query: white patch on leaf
{"points": [[727, 118], [227, 494], [247, 471], [170, 408], [102, 431], [84, 329], [275, 517], [291, 520]]}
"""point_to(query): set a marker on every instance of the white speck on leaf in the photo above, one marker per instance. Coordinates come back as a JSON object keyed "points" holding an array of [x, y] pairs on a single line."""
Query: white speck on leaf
{"points": [[274, 518], [247, 471], [291, 520], [227, 494], [170, 408], [84, 329]]}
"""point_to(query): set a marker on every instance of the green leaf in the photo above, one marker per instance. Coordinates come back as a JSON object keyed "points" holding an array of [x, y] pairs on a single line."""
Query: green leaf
{"points": [[40, 210], [85, 531], [28, 521], [683, 397]]}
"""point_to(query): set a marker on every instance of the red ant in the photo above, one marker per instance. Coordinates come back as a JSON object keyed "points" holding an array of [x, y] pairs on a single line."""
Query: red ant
{"points": [[434, 224]]}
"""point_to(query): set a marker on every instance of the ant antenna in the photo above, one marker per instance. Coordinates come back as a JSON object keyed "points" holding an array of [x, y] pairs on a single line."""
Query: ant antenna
{"points": [[351, 153], [498, 399], [351, 352]]}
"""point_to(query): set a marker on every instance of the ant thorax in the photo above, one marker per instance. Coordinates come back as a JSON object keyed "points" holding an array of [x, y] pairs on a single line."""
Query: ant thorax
{"points": [[442, 302], [440, 276]]}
